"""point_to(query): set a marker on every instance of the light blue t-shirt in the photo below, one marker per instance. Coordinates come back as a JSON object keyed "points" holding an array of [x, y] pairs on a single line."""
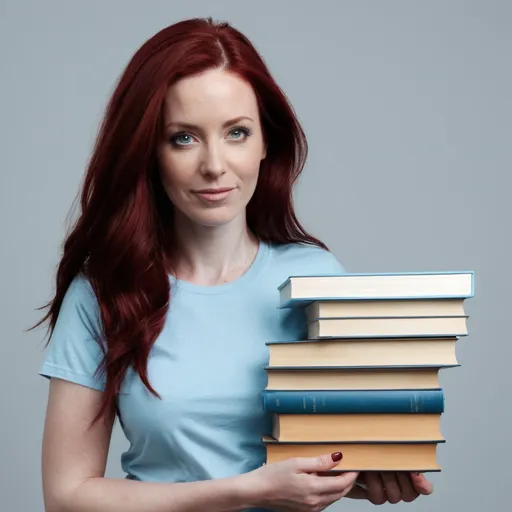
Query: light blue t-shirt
{"points": [[207, 365]]}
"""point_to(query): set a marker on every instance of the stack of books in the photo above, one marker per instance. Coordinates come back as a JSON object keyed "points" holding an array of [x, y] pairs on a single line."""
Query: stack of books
{"points": [[365, 380]]}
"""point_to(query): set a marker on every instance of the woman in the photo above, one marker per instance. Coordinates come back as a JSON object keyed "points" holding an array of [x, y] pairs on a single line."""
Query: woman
{"points": [[167, 292]]}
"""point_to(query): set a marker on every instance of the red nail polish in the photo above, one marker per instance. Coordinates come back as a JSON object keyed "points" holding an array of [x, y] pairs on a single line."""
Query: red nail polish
{"points": [[336, 456]]}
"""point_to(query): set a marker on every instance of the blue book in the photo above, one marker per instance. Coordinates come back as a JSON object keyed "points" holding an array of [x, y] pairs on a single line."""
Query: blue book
{"points": [[301, 290], [389, 401]]}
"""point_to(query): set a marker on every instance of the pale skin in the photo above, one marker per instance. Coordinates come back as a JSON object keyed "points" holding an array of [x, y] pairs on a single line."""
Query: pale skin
{"points": [[215, 247]]}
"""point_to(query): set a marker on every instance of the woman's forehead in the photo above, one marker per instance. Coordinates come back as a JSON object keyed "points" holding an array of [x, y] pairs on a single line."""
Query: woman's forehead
{"points": [[213, 96]]}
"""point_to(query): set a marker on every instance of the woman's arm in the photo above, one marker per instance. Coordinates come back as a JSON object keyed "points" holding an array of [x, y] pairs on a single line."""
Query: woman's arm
{"points": [[385, 487], [74, 460], [110, 495]]}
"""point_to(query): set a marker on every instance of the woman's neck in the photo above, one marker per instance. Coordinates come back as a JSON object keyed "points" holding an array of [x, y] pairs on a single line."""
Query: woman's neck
{"points": [[213, 255]]}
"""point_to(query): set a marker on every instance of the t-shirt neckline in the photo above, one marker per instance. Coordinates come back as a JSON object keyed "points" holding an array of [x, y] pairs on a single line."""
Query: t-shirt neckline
{"points": [[250, 274]]}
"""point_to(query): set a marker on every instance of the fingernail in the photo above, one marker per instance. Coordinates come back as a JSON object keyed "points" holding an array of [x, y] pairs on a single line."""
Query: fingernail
{"points": [[416, 473], [336, 456]]}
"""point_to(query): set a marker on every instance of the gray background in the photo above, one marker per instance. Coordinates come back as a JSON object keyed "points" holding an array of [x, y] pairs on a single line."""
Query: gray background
{"points": [[408, 117]]}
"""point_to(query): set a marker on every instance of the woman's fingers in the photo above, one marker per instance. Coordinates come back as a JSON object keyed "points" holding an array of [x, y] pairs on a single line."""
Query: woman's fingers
{"points": [[342, 487], [391, 486], [421, 484], [338, 484], [375, 488], [358, 493], [409, 493], [379, 487]]}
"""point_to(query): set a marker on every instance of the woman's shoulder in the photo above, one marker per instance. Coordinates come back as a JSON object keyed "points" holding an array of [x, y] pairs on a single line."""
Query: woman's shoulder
{"points": [[304, 258], [80, 291], [79, 305]]}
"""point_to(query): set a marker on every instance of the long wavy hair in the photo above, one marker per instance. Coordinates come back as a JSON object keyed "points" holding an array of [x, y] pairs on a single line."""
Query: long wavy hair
{"points": [[123, 239]]}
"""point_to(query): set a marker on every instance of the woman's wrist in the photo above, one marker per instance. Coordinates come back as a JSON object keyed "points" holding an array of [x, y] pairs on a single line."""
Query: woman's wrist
{"points": [[247, 491]]}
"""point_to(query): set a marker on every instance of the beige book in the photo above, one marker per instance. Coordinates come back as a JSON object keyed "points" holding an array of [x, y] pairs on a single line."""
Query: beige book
{"points": [[419, 457], [387, 327], [356, 427], [319, 378], [364, 352], [384, 308]]}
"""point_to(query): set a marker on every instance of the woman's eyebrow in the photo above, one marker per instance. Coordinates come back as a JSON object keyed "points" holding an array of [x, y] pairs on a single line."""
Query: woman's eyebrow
{"points": [[190, 126]]}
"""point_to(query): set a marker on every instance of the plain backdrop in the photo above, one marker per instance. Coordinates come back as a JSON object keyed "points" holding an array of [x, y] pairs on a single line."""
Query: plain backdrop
{"points": [[407, 106]]}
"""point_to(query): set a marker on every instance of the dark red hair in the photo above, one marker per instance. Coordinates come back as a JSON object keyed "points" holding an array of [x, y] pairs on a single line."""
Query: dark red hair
{"points": [[123, 240]]}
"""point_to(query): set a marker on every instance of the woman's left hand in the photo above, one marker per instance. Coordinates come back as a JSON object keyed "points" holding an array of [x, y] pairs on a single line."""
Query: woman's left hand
{"points": [[392, 487]]}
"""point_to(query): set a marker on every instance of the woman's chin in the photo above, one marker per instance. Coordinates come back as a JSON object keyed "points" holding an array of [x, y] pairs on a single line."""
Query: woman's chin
{"points": [[214, 218]]}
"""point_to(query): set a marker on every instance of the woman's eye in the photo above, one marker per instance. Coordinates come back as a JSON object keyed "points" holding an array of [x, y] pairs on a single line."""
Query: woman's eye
{"points": [[182, 139], [185, 139], [237, 133], [240, 133]]}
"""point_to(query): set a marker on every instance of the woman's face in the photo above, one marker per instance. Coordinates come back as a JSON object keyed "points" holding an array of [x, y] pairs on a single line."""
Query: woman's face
{"points": [[212, 146]]}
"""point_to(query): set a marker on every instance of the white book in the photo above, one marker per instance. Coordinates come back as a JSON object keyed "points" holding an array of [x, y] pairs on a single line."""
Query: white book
{"points": [[302, 290]]}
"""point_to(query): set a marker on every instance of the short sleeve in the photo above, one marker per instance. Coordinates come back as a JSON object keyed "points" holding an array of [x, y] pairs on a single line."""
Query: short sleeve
{"points": [[322, 261], [331, 264], [73, 352]]}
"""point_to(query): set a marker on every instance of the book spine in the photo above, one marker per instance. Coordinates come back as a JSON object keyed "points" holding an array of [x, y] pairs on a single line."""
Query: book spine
{"points": [[354, 402]]}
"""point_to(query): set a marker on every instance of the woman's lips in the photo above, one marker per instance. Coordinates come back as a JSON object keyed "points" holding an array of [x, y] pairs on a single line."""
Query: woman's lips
{"points": [[214, 194]]}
